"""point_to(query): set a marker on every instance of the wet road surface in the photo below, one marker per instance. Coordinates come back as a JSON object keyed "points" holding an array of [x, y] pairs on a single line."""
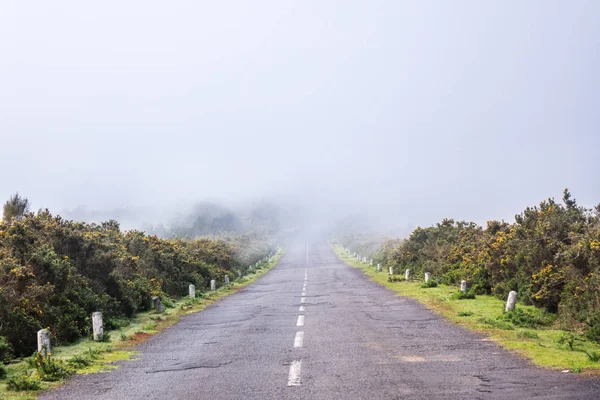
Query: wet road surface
{"points": [[315, 328]]}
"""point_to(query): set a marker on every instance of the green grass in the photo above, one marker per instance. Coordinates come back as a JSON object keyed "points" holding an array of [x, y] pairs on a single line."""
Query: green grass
{"points": [[101, 356], [484, 314]]}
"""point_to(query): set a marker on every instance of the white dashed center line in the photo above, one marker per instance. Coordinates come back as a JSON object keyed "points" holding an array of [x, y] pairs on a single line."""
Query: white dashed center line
{"points": [[296, 366], [294, 376], [299, 339]]}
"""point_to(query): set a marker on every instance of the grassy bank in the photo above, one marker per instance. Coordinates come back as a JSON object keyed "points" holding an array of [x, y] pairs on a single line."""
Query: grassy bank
{"points": [[531, 336], [87, 356]]}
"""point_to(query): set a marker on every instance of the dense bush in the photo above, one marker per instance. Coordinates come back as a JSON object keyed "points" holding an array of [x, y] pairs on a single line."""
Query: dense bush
{"points": [[6, 353], [550, 255], [55, 272]]}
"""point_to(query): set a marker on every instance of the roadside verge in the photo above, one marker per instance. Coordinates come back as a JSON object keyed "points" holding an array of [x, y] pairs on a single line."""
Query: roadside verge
{"points": [[531, 335], [87, 356]]}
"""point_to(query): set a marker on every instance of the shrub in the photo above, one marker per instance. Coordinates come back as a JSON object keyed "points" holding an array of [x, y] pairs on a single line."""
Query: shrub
{"points": [[3, 371], [568, 339], [79, 361], [527, 319], [465, 314], [24, 382], [592, 355], [49, 369], [92, 354], [6, 352], [593, 327], [429, 284], [459, 295]]}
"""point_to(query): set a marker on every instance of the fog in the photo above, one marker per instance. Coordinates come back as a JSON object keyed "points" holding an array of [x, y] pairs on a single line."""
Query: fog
{"points": [[399, 112]]}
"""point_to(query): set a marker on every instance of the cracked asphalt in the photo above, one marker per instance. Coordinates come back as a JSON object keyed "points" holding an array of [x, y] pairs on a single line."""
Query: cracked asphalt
{"points": [[359, 341]]}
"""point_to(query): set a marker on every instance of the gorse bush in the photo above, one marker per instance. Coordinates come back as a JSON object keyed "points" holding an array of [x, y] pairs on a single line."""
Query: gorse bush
{"points": [[48, 368], [54, 273]]}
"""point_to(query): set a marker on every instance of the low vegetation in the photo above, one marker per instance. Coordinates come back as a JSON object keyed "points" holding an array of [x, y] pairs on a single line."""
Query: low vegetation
{"points": [[55, 272], [26, 376]]}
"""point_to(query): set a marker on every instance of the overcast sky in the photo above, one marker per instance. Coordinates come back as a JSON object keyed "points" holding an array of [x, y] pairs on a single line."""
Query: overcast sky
{"points": [[430, 109]]}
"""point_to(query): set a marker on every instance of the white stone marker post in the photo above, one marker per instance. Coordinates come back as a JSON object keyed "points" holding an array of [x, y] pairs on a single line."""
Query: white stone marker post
{"points": [[378, 267], [192, 291], [463, 286], [371, 262], [391, 270], [157, 304], [227, 279], [43, 339], [511, 302], [239, 273], [97, 326], [213, 285], [427, 276], [407, 275]]}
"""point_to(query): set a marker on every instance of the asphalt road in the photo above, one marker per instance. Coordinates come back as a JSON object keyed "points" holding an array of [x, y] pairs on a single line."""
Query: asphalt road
{"points": [[356, 340]]}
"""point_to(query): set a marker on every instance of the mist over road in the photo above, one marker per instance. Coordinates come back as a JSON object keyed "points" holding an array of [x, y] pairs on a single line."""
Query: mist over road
{"points": [[315, 328]]}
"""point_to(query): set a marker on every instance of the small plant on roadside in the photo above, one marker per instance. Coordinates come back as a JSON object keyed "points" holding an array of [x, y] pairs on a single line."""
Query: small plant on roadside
{"points": [[92, 354], [576, 370], [396, 278], [23, 382], [527, 319], [48, 369], [498, 324], [167, 302], [79, 361], [465, 314], [592, 355], [567, 339], [429, 284], [105, 337], [3, 370], [156, 318], [459, 295], [149, 327], [527, 335]]}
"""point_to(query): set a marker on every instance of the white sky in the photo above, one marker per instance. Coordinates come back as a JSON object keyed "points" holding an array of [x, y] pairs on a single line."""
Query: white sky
{"points": [[415, 109]]}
